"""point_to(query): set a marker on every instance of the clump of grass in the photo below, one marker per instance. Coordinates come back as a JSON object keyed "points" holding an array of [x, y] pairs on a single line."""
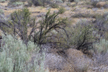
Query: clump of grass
{"points": [[61, 10], [54, 5]]}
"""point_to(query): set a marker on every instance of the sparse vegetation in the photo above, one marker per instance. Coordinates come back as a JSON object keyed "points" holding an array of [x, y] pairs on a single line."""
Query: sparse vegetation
{"points": [[73, 33]]}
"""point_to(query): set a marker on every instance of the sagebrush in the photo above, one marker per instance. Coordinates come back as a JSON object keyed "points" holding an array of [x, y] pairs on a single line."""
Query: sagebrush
{"points": [[15, 56]]}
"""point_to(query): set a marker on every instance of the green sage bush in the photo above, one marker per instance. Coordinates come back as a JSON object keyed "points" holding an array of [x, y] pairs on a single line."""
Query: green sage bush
{"points": [[101, 52], [102, 46], [17, 57]]}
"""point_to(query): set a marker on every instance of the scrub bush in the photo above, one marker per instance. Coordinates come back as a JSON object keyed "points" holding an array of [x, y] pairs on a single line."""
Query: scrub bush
{"points": [[101, 24], [17, 24], [21, 21], [51, 22]]}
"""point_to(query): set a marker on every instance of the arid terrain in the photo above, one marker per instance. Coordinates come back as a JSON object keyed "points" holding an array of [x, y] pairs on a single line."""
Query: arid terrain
{"points": [[80, 45]]}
